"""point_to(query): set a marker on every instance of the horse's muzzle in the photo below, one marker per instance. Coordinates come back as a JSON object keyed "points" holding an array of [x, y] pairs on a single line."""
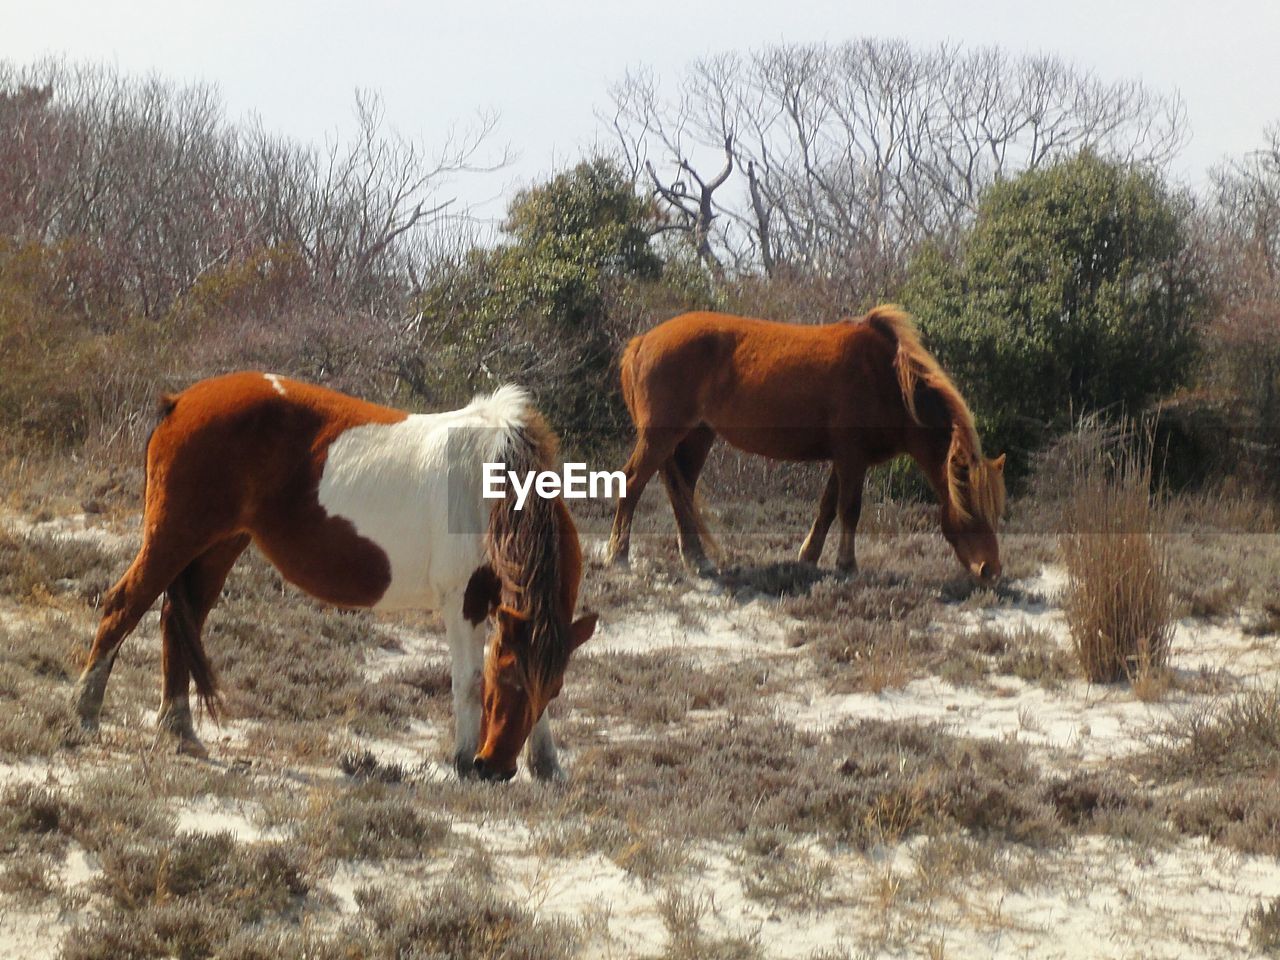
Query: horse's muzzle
{"points": [[986, 571], [487, 772]]}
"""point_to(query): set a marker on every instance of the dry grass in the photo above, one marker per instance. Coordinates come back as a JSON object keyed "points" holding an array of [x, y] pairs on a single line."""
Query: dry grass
{"points": [[1026, 653], [676, 756], [1239, 736], [683, 916], [1264, 927], [450, 920], [1118, 601], [371, 821], [34, 568], [1219, 767], [36, 718]]}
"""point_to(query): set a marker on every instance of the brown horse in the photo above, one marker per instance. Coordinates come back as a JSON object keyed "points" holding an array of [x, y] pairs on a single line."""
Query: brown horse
{"points": [[361, 506], [856, 393]]}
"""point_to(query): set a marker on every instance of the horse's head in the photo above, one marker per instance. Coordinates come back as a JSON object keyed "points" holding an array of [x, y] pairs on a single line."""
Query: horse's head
{"points": [[521, 676], [971, 512]]}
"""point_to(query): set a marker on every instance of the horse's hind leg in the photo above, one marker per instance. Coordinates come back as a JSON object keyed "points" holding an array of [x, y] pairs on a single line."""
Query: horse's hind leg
{"points": [[188, 601], [653, 448], [811, 549], [680, 475], [151, 571]]}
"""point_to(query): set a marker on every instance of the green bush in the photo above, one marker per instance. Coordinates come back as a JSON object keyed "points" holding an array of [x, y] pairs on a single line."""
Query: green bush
{"points": [[1073, 291], [552, 305]]}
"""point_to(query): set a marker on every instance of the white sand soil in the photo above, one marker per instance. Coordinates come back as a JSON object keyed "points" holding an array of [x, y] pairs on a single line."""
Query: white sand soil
{"points": [[1099, 898]]}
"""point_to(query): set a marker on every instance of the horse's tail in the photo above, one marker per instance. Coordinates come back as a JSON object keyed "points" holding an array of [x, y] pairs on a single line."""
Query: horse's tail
{"points": [[184, 631], [164, 406], [627, 373]]}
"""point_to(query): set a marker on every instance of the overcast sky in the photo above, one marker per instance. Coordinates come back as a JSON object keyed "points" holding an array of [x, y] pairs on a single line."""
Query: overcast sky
{"points": [[545, 65]]}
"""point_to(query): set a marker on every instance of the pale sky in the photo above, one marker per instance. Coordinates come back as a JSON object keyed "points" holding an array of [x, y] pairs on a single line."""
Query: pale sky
{"points": [[546, 66]]}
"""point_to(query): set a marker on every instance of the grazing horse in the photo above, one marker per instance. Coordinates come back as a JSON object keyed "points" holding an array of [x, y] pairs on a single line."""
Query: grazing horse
{"points": [[857, 393], [361, 506]]}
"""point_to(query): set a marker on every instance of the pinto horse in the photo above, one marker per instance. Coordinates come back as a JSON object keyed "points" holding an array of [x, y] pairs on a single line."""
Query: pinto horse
{"points": [[857, 393], [361, 506]]}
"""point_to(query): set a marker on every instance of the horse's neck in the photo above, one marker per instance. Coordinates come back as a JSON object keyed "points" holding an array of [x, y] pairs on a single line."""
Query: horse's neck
{"points": [[931, 452]]}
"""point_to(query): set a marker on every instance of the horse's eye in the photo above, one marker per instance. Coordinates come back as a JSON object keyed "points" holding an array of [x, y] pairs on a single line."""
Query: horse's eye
{"points": [[511, 677]]}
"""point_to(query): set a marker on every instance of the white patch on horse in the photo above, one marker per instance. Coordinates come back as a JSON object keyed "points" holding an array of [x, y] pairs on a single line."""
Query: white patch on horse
{"points": [[276, 385], [414, 489]]}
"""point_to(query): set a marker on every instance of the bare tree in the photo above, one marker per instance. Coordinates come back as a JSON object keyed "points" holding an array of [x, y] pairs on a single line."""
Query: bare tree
{"points": [[852, 154], [688, 197], [152, 177]]}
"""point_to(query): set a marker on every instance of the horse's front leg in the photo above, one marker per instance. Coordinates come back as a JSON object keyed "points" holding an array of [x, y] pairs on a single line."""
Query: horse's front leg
{"points": [[852, 476], [811, 549], [543, 759], [466, 648]]}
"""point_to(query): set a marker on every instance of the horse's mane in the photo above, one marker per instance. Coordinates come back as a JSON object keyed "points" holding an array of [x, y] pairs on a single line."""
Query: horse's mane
{"points": [[982, 492], [524, 550]]}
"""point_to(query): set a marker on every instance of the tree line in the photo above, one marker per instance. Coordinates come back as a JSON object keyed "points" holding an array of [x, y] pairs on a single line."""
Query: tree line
{"points": [[1019, 206]]}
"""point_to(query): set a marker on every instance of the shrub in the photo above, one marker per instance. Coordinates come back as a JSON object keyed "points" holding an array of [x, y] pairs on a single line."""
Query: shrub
{"points": [[1118, 598], [1240, 737], [372, 822], [550, 306], [457, 920], [1072, 291]]}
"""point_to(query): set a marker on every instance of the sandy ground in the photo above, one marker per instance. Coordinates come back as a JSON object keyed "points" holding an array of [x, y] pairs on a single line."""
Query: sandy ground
{"points": [[1099, 898]]}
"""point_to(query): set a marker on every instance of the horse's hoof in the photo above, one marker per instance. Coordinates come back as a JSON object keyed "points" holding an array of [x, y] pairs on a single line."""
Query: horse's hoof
{"points": [[549, 772], [464, 764], [87, 707], [181, 739], [192, 747], [699, 565]]}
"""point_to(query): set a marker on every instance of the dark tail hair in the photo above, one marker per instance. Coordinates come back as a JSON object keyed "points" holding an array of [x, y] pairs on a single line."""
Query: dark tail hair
{"points": [[626, 374], [187, 646], [164, 406]]}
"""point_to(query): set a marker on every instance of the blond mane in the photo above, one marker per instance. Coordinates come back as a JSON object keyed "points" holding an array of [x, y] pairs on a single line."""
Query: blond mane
{"points": [[524, 550], [981, 494]]}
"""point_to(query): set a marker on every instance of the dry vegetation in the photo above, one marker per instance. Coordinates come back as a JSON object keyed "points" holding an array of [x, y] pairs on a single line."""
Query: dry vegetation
{"points": [[709, 805], [1118, 595]]}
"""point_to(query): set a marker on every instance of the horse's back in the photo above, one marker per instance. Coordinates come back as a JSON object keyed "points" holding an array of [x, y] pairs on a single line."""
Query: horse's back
{"points": [[268, 403], [709, 342], [356, 503], [767, 387]]}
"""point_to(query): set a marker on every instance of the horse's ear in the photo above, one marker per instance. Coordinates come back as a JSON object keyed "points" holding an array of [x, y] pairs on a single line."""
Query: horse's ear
{"points": [[580, 630], [998, 463], [483, 594]]}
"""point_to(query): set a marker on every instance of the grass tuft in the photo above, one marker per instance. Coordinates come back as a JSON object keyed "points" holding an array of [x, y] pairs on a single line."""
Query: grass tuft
{"points": [[1118, 598], [1264, 927]]}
